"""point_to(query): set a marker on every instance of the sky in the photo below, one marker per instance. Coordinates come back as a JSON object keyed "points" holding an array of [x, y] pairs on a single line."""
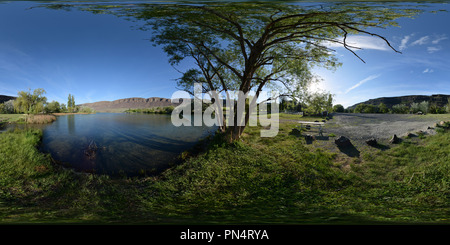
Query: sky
{"points": [[105, 58]]}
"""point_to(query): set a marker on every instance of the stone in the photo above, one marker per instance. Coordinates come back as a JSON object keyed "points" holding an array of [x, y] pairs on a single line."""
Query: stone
{"points": [[372, 142], [441, 123], [395, 139], [342, 141], [309, 137], [295, 131]]}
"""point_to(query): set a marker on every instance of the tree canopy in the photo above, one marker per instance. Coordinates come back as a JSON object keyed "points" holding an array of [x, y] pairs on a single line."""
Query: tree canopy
{"points": [[249, 46]]}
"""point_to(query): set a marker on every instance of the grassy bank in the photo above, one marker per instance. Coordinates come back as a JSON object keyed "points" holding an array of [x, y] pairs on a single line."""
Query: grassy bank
{"points": [[256, 180]]}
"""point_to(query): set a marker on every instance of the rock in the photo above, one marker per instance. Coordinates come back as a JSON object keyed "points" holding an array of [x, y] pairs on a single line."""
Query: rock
{"points": [[372, 142], [342, 141], [410, 135], [394, 140], [295, 131], [441, 123]]}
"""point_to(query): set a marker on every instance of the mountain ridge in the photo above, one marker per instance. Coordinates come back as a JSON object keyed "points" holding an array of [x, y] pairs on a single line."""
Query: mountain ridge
{"points": [[120, 105], [438, 99]]}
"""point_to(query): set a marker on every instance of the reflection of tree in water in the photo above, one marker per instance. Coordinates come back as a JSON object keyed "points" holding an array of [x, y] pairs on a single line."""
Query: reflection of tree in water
{"points": [[71, 124]]}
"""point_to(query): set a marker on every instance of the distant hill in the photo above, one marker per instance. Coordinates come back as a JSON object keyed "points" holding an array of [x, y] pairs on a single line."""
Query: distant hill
{"points": [[129, 103], [4, 98], [438, 99]]}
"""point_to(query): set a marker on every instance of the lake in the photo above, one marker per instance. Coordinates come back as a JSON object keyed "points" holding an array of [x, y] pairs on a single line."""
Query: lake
{"points": [[119, 143]]}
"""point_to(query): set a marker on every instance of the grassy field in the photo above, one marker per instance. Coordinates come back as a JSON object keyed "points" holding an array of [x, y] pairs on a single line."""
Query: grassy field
{"points": [[279, 180]]}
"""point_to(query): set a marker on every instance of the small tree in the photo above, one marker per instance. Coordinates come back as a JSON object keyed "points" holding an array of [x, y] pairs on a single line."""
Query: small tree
{"points": [[424, 105], [447, 107], [338, 108], [400, 109], [382, 108]]}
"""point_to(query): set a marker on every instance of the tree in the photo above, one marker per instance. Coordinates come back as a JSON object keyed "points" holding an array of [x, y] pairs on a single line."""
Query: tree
{"points": [[338, 108], [365, 108], [424, 106], [382, 108], [28, 102], [53, 107], [71, 107], [319, 102], [447, 107], [243, 46]]}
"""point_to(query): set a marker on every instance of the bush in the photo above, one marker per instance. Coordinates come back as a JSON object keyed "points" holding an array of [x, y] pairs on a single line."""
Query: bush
{"points": [[338, 108]]}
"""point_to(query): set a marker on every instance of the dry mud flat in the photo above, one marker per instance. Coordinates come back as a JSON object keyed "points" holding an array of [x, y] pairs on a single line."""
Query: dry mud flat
{"points": [[357, 126]]}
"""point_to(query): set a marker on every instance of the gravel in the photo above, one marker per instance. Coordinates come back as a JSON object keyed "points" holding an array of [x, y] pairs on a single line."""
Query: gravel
{"points": [[358, 126]]}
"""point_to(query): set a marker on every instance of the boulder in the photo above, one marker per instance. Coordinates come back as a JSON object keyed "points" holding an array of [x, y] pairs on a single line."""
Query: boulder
{"points": [[372, 142], [309, 137], [394, 140], [342, 141]]}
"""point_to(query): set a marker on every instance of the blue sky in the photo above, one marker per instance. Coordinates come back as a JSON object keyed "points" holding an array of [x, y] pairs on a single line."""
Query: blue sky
{"points": [[102, 57]]}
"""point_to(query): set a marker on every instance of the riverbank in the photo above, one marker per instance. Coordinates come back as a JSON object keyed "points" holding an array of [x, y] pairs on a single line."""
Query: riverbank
{"points": [[279, 180]]}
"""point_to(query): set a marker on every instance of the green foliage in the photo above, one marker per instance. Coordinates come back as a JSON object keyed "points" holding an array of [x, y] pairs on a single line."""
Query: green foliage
{"points": [[157, 110], [28, 102], [319, 102], [400, 109], [365, 108], [382, 108], [338, 108], [71, 107], [53, 107]]}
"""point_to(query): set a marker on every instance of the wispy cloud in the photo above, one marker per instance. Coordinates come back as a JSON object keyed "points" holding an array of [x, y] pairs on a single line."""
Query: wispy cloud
{"points": [[404, 42], [430, 40], [369, 78], [421, 41], [433, 49], [361, 42], [428, 70], [439, 39]]}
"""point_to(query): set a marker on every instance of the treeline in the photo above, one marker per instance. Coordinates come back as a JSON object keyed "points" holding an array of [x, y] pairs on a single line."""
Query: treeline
{"points": [[312, 104], [423, 107], [157, 110], [35, 102]]}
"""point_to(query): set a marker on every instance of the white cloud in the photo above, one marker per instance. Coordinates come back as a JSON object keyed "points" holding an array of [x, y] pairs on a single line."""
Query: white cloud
{"points": [[439, 39], [361, 42], [404, 42], [421, 41], [369, 78], [433, 49], [428, 70]]}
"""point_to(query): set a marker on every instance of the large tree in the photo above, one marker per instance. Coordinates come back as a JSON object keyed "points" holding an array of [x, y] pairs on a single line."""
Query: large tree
{"points": [[28, 102], [249, 46]]}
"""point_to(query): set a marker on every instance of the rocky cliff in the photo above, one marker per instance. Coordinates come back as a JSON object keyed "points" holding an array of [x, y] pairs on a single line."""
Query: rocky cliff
{"points": [[4, 98], [129, 103], [438, 99]]}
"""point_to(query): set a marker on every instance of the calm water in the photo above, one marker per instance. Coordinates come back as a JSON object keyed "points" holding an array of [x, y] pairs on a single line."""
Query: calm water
{"points": [[125, 143]]}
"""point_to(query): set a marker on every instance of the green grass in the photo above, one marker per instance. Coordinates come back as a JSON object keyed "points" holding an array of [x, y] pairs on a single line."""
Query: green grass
{"points": [[12, 118], [255, 180]]}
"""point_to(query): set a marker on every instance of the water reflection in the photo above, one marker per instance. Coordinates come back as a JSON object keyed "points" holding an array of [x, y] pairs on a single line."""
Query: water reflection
{"points": [[110, 143]]}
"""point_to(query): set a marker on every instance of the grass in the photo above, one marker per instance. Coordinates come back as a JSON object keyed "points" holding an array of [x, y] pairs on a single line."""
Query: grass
{"points": [[254, 180], [12, 118]]}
